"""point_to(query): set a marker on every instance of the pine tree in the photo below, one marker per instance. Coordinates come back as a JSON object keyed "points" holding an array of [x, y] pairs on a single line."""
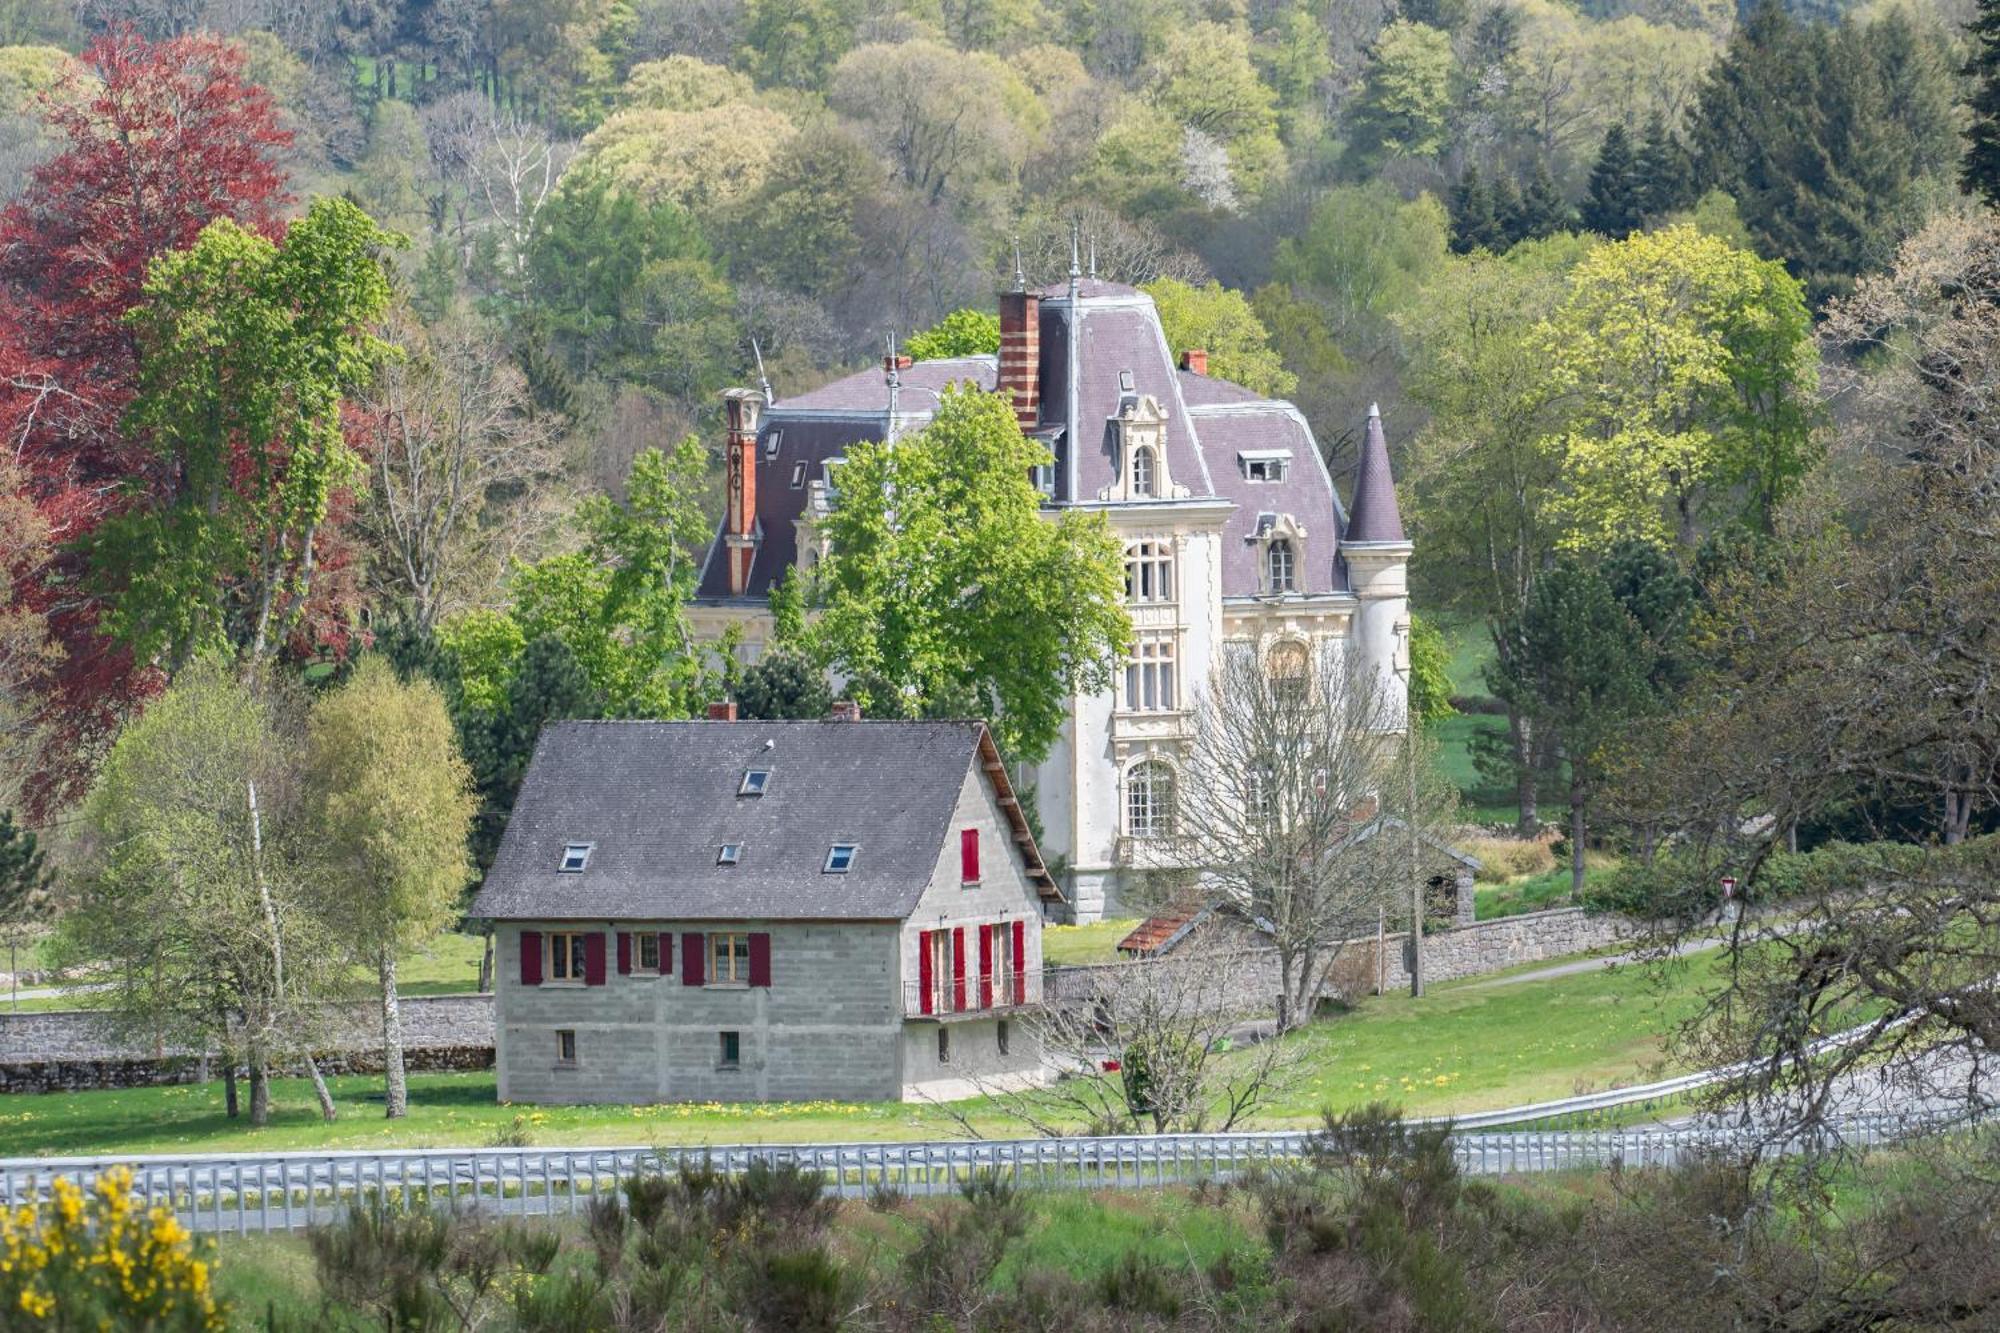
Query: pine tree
{"points": [[1543, 211], [1473, 223], [1666, 175], [1614, 203], [1506, 211], [1980, 171]]}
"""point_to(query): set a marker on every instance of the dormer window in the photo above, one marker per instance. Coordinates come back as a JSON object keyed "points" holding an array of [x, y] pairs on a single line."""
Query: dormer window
{"points": [[575, 857], [1142, 471], [772, 443], [729, 853], [799, 475], [840, 857], [1265, 465], [1124, 381], [754, 782], [1278, 566]]}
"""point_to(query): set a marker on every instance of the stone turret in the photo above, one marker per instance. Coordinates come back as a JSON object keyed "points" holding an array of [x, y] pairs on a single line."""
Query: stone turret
{"points": [[1377, 552]]}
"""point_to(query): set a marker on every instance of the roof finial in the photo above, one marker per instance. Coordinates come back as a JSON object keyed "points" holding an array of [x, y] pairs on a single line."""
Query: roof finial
{"points": [[1093, 256], [1375, 411], [1075, 271], [1020, 277], [763, 380]]}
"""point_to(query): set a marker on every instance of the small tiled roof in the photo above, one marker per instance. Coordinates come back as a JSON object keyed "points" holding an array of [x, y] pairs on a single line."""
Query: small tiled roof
{"points": [[656, 800], [1162, 931], [1375, 516]]}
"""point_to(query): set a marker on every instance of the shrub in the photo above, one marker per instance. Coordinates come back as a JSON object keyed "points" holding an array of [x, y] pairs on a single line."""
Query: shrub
{"points": [[100, 1260], [1505, 859]]}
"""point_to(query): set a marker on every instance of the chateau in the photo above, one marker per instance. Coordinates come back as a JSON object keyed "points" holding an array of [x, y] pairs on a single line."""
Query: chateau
{"points": [[1233, 529]]}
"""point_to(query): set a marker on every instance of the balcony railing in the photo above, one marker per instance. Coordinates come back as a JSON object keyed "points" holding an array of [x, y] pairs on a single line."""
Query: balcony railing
{"points": [[947, 1003]]}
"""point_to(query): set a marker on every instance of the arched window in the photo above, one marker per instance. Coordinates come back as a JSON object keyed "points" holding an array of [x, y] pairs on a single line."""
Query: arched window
{"points": [[1142, 471], [1149, 800], [1278, 565], [1286, 670], [1149, 572]]}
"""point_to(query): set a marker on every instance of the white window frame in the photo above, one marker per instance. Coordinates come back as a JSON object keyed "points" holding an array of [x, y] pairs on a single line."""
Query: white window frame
{"points": [[1149, 573], [772, 443], [1159, 813], [729, 854], [639, 963], [756, 781], [844, 853], [1144, 472], [1151, 681], [577, 853], [799, 475], [1281, 548]]}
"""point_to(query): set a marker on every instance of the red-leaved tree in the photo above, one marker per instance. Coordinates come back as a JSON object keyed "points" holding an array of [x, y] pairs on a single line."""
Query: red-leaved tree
{"points": [[158, 140]]}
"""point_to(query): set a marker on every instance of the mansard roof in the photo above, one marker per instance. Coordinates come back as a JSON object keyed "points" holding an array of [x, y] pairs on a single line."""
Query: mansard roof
{"points": [[1099, 348], [655, 801]]}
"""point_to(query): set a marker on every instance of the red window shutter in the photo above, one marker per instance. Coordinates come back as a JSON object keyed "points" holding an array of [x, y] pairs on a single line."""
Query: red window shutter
{"points": [[760, 958], [531, 958], [958, 969], [666, 954], [691, 959], [624, 953], [968, 854], [1020, 962], [986, 967], [926, 983], [593, 958]]}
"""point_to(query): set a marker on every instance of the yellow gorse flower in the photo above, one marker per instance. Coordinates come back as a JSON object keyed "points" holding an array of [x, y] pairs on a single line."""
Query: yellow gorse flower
{"points": [[101, 1253]]}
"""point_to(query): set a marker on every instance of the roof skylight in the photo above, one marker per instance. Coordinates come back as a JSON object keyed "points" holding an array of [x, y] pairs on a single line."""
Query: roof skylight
{"points": [[840, 857]]}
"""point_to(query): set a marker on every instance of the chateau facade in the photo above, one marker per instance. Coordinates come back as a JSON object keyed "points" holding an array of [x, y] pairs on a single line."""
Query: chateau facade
{"points": [[1233, 530]]}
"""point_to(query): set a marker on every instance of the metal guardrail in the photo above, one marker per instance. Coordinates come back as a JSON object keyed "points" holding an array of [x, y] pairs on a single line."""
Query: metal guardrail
{"points": [[948, 999], [286, 1191]]}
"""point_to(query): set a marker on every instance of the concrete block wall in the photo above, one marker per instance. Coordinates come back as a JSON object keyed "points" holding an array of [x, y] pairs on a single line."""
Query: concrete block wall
{"points": [[828, 1026]]}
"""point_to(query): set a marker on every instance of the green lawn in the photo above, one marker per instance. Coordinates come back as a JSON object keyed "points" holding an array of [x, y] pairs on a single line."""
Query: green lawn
{"points": [[449, 965], [1462, 1048], [1536, 893], [1095, 943]]}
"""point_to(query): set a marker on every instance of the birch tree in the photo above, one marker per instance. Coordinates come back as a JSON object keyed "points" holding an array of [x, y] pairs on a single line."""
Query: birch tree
{"points": [[392, 807], [195, 881]]}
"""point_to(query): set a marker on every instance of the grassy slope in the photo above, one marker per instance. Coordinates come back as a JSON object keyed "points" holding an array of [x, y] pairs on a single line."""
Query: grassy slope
{"points": [[1464, 1047], [1095, 943]]}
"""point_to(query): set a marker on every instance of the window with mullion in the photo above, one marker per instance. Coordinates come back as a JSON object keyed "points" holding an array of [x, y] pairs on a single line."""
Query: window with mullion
{"points": [[1149, 675], [728, 960]]}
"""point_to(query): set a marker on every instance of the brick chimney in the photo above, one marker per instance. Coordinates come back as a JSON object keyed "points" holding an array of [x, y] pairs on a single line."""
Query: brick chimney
{"points": [[739, 409], [1021, 354], [1195, 359], [844, 710], [723, 710]]}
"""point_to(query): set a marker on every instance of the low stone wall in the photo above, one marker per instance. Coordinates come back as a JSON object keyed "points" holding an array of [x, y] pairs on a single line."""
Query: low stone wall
{"points": [[1461, 951], [75, 1050]]}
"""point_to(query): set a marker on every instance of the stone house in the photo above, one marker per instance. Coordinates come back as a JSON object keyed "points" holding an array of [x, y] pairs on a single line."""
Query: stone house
{"points": [[731, 910], [1235, 536]]}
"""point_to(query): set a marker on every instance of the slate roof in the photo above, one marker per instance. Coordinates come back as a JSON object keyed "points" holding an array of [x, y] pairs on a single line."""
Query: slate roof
{"points": [[657, 800], [1376, 518], [1209, 422]]}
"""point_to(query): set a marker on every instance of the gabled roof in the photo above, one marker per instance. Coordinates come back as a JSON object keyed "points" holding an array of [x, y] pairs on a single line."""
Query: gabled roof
{"points": [[656, 800]]}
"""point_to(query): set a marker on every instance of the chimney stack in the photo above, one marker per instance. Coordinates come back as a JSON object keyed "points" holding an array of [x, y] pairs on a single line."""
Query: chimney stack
{"points": [[1195, 360], [1021, 354], [739, 410], [723, 710], [845, 710]]}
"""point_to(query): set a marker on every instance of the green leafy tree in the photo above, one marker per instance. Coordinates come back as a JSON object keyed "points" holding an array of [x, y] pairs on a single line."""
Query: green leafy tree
{"points": [[946, 587], [1689, 379], [391, 808], [1579, 666], [783, 685], [1221, 319], [1404, 104], [1430, 672], [247, 351], [199, 889], [1614, 202], [796, 43], [541, 682], [25, 880], [961, 333], [1203, 80]]}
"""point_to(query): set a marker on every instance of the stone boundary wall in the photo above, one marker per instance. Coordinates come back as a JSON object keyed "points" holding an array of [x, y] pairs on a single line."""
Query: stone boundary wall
{"points": [[70, 1050], [1461, 951]]}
